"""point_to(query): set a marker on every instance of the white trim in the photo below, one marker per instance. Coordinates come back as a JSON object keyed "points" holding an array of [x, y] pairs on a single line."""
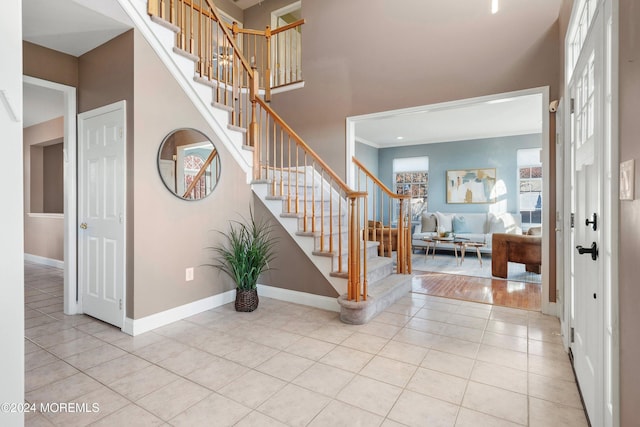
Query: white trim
{"points": [[275, 14], [45, 215], [284, 88], [69, 150], [139, 326], [44, 261], [303, 298]]}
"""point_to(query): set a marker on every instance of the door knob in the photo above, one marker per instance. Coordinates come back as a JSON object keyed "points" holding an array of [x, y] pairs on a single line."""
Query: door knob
{"points": [[593, 250], [83, 225]]}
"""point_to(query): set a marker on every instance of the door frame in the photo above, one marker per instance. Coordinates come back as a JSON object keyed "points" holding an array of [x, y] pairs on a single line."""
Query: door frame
{"points": [[119, 105], [610, 175], [71, 304]]}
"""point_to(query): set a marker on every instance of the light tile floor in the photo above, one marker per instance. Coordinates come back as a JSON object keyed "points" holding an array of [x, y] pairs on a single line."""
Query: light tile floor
{"points": [[426, 361]]}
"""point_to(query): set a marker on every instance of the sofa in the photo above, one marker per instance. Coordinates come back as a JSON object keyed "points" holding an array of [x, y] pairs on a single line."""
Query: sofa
{"points": [[477, 227], [523, 249]]}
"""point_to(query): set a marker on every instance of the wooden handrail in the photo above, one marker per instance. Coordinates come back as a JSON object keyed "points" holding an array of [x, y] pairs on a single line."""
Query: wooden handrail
{"points": [[288, 27], [201, 172], [334, 176], [378, 182]]}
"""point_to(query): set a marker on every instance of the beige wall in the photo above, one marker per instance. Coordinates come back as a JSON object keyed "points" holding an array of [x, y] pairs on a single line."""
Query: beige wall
{"points": [[172, 234], [292, 269], [629, 286], [43, 236], [424, 52], [49, 64]]}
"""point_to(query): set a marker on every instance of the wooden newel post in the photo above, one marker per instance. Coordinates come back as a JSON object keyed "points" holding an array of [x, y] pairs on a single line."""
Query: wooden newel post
{"points": [[152, 7], [253, 125], [352, 292], [267, 71], [400, 243]]}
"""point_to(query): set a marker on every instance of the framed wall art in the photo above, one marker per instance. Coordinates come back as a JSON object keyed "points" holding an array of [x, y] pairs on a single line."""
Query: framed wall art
{"points": [[471, 185]]}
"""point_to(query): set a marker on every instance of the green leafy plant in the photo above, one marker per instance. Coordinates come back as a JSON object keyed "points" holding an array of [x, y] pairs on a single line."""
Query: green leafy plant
{"points": [[246, 252]]}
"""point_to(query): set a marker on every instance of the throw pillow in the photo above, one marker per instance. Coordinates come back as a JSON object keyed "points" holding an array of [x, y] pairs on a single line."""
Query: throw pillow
{"points": [[460, 225], [429, 223], [444, 221]]}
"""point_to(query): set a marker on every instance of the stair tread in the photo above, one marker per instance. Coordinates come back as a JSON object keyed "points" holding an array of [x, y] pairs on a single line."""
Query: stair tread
{"points": [[372, 264]]}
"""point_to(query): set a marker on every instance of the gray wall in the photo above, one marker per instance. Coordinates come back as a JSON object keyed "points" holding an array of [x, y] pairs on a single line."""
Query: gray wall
{"points": [[499, 153]]}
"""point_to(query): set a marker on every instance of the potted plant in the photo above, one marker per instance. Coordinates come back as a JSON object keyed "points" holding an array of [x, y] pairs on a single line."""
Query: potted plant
{"points": [[244, 254]]}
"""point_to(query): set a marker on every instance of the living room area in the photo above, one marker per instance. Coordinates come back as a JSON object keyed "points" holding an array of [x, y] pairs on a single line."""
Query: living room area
{"points": [[475, 174]]}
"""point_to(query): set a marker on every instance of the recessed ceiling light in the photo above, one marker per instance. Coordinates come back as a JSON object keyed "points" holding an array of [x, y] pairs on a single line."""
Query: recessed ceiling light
{"points": [[400, 137]]}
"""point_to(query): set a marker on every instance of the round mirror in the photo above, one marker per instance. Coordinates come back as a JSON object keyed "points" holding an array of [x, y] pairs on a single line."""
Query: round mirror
{"points": [[189, 164]]}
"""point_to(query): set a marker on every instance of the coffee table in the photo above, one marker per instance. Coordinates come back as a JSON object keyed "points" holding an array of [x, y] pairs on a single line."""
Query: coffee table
{"points": [[459, 243]]}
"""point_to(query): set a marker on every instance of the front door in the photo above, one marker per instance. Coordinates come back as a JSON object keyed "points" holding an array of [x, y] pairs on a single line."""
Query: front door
{"points": [[587, 295], [101, 212]]}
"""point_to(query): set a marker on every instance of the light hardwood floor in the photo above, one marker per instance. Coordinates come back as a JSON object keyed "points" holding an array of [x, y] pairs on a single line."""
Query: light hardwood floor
{"points": [[500, 292]]}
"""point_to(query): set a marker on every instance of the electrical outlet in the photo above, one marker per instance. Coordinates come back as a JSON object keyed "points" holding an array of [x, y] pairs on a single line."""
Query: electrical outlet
{"points": [[188, 274]]}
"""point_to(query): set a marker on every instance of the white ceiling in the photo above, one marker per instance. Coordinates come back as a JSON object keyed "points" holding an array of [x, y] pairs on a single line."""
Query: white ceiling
{"points": [[484, 119], [245, 4], [70, 27]]}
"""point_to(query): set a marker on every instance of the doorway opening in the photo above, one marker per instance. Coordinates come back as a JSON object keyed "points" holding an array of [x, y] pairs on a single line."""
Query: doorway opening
{"points": [[406, 143], [66, 109]]}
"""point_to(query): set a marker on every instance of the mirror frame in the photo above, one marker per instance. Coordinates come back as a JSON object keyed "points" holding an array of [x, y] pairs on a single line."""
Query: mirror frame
{"points": [[162, 174]]}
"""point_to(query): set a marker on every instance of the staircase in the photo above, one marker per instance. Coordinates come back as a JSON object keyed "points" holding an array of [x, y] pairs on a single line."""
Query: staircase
{"points": [[319, 211]]}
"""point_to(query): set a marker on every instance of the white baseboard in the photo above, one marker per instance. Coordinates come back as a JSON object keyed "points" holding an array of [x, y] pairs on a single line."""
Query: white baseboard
{"points": [[138, 326], [44, 261], [303, 298], [145, 324]]}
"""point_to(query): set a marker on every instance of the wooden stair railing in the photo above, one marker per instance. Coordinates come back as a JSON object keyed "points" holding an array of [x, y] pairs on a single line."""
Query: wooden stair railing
{"points": [[275, 53], [313, 192], [386, 208], [280, 156]]}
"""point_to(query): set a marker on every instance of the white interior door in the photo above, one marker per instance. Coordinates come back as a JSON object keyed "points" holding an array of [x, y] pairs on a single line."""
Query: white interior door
{"points": [[585, 89], [101, 212]]}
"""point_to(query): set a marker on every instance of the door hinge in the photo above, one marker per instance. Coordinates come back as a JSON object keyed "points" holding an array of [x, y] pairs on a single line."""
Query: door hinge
{"points": [[572, 335], [572, 106], [121, 131], [120, 304], [573, 220]]}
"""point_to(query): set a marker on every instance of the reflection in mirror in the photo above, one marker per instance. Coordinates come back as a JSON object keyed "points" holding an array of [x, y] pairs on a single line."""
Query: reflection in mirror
{"points": [[189, 164]]}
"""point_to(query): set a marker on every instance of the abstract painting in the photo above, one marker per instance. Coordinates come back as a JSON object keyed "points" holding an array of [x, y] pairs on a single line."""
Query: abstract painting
{"points": [[471, 185]]}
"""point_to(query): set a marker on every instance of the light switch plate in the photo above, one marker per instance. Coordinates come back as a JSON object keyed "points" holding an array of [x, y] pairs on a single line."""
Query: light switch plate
{"points": [[627, 180]]}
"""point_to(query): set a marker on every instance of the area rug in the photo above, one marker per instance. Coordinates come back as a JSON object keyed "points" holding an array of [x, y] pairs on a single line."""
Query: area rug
{"points": [[446, 263]]}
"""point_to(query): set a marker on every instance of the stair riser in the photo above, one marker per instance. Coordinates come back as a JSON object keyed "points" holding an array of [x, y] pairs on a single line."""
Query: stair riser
{"points": [[311, 193], [374, 274], [371, 253]]}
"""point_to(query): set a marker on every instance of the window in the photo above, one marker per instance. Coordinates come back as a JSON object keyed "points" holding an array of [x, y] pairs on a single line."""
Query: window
{"points": [[530, 185], [411, 176]]}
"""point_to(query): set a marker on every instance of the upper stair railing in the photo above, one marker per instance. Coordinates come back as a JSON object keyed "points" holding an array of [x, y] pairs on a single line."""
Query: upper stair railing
{"points": [[334, 214], [388, 218], [275, 53]]}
